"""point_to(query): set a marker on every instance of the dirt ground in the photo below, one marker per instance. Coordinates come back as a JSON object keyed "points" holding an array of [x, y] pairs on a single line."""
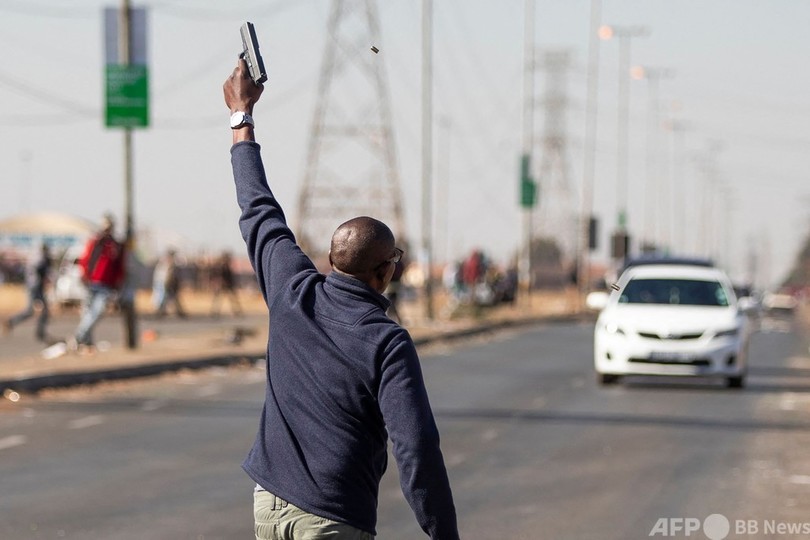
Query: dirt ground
{"points": [[546, 302]]}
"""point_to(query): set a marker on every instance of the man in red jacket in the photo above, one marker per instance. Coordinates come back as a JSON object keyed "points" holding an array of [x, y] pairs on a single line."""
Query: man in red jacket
{"points": [[102, 267]]}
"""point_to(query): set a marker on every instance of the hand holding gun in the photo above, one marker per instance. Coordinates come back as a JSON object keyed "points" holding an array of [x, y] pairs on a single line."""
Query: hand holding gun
{"points": [[251, 54]]}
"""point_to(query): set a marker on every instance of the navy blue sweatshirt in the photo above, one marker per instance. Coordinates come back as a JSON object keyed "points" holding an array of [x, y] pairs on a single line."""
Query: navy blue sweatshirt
{"points": [[341, 378]]}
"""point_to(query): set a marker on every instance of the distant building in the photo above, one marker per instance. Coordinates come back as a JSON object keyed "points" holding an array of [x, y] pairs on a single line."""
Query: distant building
{"points": [[21, 235]]}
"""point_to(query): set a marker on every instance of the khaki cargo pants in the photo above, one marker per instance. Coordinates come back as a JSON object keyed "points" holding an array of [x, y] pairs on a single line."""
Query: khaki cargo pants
{"points": [[276, 519]]}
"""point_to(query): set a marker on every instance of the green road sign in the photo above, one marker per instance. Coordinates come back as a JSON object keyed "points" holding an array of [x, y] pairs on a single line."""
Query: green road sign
{"points": [[127, 96], [528, 187], [528, 193]]}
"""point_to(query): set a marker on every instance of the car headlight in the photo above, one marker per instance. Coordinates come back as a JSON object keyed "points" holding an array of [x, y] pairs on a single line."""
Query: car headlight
{"points": [[613, 329], [731, 332]]}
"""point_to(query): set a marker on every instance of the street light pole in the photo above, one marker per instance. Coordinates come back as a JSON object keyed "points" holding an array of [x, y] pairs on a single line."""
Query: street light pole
{"points": [[427, 147], [443, 187], [655, 231], [125, 58], [678, 210], [583, 275], [527, 144], [624, 34]]}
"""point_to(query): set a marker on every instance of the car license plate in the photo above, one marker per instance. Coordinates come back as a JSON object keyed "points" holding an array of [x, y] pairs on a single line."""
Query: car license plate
{"points": [[671, 357]]}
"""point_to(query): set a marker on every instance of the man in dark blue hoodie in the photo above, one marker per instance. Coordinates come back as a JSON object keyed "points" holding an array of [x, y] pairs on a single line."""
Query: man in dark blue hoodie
{"points": [[341, 376]]}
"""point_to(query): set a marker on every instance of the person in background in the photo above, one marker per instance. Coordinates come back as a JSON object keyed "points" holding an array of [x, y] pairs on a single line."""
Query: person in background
{"points": [[394, 291], [223, 282], [37, 277], [166, 283], [342, 377], [103, 273]]}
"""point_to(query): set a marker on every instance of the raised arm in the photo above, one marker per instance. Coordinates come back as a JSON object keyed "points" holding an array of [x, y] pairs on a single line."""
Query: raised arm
{"points": [[272, 249]]}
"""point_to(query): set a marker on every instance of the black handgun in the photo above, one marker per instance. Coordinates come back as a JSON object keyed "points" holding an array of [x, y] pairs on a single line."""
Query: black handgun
{"points": [[250, 52]]}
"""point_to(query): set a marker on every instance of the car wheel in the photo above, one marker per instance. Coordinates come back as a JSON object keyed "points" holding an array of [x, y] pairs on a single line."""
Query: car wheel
{"points": [[735, 382], [607, 378]]}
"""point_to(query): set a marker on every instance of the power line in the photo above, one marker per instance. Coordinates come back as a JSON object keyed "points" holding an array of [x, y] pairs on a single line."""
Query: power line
{"points": [[38, 9], [60, 11], [43, 120], [257, 10], [29, 91]]}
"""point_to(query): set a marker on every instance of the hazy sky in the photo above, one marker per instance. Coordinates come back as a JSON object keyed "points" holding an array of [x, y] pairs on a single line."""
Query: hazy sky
{"points": [[738, 84]]}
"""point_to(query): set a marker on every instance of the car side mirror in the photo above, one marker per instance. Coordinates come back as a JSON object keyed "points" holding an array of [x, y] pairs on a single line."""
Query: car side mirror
{"points": [[597, 300]]}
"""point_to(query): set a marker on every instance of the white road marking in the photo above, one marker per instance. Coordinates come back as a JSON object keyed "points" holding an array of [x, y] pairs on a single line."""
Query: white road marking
{"points": [[453, 460], [12, 440], [153, 405], [539, 402], [86, 422], [800, 479], [209, 390], [787, 403]]}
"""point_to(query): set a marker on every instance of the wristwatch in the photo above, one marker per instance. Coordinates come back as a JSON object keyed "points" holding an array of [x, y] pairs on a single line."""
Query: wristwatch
{"points": [[240, 119]]}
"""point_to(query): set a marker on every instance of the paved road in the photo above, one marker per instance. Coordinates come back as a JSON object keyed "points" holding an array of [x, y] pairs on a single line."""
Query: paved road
{"points": [[535, 448]]}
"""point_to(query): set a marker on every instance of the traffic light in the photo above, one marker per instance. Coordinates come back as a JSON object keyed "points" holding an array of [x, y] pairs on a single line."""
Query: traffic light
{"points": [[593, 233]]}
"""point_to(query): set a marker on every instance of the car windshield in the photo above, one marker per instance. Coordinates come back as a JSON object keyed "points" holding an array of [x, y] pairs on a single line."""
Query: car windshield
{"points": [[684, 292]]}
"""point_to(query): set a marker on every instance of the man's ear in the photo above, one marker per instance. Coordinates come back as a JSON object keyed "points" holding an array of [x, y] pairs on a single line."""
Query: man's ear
{"points": [[330, 259], [381, 271]]}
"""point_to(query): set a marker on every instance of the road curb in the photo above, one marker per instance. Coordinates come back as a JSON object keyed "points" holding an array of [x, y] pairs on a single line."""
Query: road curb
{"points": [[37, 383]]}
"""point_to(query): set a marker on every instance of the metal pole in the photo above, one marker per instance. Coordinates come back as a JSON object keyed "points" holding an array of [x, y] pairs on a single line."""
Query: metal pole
{"points": [[623, 132], [624, 35], [653, 234], [528, 139], [427, 147], [125, 58], [590, 144], [678, 213], [443, 186]]}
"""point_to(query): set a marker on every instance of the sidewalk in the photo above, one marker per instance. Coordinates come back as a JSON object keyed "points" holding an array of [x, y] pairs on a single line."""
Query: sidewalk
{"points": [[244, 341]]}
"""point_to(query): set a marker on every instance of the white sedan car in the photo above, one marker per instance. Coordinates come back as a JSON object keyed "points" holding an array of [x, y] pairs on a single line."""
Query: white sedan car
{"points": [[671, 319]]}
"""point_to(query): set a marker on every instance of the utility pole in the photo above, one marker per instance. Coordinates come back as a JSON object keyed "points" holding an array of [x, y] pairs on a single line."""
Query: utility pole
{"points": [[656, 231], [528, 186], [678, 203], [625, 34], [427, 150], [583, 274], [125, 58], [707, 163], [443, 186]]}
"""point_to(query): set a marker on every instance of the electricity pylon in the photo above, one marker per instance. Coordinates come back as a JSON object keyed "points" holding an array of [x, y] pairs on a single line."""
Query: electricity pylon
{"points": [[558, 213], [351, 166]]}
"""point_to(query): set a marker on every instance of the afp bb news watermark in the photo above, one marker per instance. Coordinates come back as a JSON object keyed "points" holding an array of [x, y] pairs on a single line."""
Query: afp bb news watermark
{"points": [[718, 527]]}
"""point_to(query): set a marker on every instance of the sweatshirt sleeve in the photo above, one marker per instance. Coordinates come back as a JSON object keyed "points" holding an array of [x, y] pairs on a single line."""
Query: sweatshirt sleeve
{"points": [[415, 437], [271, 246]]}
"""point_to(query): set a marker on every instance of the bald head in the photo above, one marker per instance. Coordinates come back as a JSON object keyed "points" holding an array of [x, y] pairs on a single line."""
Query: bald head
{"points": [[361, 245]]}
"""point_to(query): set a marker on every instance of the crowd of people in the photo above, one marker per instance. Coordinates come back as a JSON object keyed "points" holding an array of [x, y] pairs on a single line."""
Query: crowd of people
{"points": [[107, 276], [478, 280], [109, 279], [474, 280]]}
